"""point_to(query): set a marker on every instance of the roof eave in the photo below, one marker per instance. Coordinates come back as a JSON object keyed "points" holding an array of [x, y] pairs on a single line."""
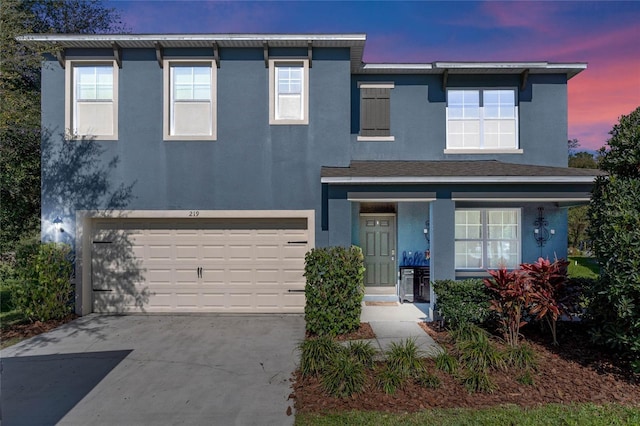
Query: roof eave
{"points": [[455, 179]]}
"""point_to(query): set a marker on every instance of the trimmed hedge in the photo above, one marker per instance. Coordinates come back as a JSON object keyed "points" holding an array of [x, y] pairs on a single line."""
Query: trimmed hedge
{"points": [[334, 290], [462, 302], [42, 290]]}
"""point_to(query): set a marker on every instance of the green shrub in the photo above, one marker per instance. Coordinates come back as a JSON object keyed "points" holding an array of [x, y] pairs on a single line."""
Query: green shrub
{"points": [[615, 233], [522, 356], [427, 380], [344, 375], [363, 352], [478, 381], [334, 290], [462, 302], [479, 353], [526, 378], [404, 357], [446, 362], [43, 288], [468, 331], [316, 353], [389, 379]]}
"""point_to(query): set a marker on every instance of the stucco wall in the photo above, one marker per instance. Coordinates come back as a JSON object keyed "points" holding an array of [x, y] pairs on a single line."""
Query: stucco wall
{"points": [[251, 165], [418, 118]]}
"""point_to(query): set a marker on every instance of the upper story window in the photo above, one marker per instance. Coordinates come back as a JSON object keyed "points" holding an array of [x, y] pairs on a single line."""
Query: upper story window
{"points": [[375, 111], [288, 91], [483, 120], [91, 106], [487, 238], [190, 100]]}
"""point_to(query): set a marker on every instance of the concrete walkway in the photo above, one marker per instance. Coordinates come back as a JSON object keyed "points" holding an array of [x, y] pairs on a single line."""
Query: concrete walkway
{"points": [[399, 322]]}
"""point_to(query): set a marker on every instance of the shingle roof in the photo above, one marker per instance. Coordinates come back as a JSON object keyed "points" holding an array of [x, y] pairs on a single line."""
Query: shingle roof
{"points": [[451, 171]]}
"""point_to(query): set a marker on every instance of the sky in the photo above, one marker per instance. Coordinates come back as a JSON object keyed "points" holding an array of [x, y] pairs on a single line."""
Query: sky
{"points": [[604, 34]]}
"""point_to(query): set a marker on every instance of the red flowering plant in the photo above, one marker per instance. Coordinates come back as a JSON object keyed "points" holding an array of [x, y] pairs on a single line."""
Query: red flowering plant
{"points": [[512, 296], [547, 280]]}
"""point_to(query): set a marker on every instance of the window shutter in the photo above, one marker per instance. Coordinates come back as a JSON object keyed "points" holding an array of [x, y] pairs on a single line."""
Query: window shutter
{"points": [[375, 112]]}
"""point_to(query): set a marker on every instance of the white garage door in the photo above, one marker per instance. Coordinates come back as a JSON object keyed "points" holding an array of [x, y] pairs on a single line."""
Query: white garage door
{"points": [[199, 265]]}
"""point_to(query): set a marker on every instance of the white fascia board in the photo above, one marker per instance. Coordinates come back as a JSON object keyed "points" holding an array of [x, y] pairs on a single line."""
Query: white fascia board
{"points": [[191, 37], [523, 199], [474, 65], [577, 66], [391, 67], [458, 179]]}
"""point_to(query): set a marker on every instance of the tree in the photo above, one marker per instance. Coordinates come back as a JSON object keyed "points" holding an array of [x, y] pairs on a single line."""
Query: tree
{"points": [[20, 107], [583, 160], [572, 145], [614, 213], [578, 221]]}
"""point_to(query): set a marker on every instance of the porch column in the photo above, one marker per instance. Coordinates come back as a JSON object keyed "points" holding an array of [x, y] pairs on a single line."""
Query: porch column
{"points": [[442, 223], [442, 233]]}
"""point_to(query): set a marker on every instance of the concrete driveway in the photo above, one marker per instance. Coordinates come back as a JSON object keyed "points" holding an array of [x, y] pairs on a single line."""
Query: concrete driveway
{"points": [[156, 369]]}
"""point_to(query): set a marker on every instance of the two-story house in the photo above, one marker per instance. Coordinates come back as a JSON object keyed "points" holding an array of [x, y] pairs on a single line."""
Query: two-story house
{"points": [[193, 172]]}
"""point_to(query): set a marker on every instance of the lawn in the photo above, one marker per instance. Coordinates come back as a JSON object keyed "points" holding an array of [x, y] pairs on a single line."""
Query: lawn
{"points": [[552, 414], [586, 267]]}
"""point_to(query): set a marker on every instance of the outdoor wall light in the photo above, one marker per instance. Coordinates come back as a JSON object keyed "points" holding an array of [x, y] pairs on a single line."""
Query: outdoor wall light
{"points": [[541, 232], [57, 222], [426, 231]]}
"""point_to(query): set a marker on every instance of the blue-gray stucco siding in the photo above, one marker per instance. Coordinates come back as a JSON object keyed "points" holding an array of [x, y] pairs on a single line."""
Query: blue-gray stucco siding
{"points": [[418, 118], [252, 165], [256, 166]]}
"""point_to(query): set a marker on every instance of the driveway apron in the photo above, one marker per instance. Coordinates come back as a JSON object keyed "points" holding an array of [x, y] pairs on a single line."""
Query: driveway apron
{"points": [[154, 369]]}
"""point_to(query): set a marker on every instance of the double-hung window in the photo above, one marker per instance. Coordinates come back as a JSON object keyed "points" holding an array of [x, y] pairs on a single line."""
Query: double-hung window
{"points": [[487, 238], [482, 119], [375, 111], [92, 99], [190, 104], [289, 91]]}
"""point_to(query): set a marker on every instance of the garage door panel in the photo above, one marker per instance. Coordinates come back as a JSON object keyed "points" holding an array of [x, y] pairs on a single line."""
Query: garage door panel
{"points": [[264, 251], [237, 301], [239, 252], [293, 300], [187, 252], [210, 265], [291, 251], [157, 252], [268, 276], [213, 252]]}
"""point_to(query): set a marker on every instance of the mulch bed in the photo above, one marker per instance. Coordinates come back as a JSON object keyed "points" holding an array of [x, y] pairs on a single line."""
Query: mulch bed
{"points": [[27, 330], [571, 372], [363, 332]]}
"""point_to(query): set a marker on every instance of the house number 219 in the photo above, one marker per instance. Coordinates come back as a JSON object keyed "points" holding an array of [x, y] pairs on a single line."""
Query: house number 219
{"points": [[194, 213]]}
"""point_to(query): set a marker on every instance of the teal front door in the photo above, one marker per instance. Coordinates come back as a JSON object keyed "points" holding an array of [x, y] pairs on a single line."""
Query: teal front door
{"points": [[378, 241]]}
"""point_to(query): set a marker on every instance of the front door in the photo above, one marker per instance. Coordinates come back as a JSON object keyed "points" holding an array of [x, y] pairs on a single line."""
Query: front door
{"points": [[378, 241]]}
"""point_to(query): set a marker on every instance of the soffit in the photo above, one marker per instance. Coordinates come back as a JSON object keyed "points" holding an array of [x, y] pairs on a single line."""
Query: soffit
{"points": [[148, 41]]}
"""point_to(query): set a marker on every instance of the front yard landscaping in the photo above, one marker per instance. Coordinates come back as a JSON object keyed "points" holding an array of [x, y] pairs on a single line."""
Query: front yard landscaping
{"points": [[573, 380], [508, 358]]}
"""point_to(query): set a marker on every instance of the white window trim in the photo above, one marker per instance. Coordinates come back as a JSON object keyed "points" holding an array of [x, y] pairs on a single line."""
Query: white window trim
{"points": [[484, 239], [272, 91], [69, 96], [376, 138], [516, 150], [483, 151], [166, 95]]}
